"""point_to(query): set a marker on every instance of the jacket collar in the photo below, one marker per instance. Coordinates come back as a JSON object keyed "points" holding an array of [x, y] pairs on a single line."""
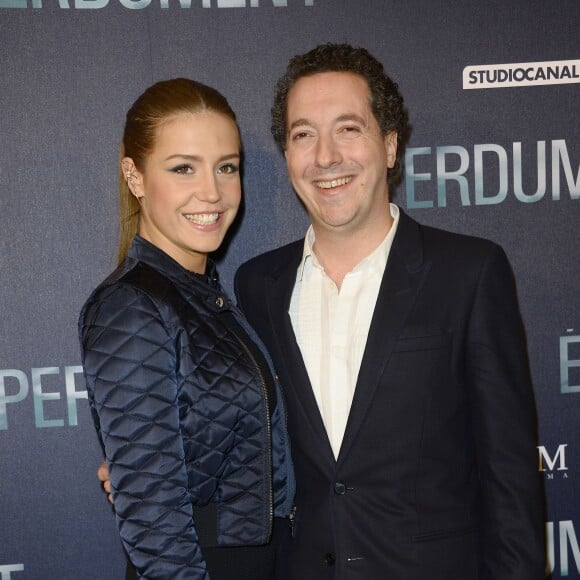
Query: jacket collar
{"points": [[143, 251], [405, 273]]}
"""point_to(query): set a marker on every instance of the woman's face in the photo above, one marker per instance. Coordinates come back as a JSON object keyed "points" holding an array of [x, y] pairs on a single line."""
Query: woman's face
{"points": [[190, 187]]}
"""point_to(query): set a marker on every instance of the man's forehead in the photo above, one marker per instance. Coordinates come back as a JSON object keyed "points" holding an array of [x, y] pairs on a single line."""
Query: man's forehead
{"points": [[330, 78], [339, 96]]}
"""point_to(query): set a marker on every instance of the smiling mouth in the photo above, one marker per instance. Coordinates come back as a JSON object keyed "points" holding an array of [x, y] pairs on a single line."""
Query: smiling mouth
{"points": [[333, 183], [202, 219]]}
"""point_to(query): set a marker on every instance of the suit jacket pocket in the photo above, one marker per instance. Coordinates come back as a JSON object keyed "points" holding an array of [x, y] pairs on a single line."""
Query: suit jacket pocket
{"points": [[423, 342], [441, 534]]}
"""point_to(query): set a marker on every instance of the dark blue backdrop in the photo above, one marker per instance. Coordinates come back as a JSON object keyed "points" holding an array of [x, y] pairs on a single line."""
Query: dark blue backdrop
{"points": [[500, 162]]}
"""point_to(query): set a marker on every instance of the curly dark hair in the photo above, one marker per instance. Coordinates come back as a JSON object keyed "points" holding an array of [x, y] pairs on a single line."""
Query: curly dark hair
{"points": [[385, 100]]}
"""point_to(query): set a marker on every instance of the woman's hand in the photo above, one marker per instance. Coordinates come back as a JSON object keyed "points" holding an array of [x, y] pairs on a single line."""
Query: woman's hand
{"points": [[103, 475]]}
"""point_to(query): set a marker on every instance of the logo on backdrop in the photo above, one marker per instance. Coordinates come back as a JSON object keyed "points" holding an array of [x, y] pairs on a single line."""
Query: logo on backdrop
{"points": [[140, 4], [569, 363], [563, 535], [553, 461], [54, 395], [488, 173], [7, 569], [521, 74]]}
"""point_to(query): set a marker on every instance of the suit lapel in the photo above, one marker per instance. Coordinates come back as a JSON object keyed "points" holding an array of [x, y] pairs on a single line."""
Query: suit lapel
{"points": [[295, 382], [403, 278]]}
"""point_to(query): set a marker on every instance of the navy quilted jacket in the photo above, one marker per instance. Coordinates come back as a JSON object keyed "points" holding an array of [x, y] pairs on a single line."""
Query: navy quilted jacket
{"points": [[180, 406]]}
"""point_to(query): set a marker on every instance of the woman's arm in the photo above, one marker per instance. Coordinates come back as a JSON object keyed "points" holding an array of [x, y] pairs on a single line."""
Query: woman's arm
{"points": [[130, 368]]}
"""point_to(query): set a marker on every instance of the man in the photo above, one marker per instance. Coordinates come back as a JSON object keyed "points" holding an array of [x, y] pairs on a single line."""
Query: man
{"points": [[401, 353]]}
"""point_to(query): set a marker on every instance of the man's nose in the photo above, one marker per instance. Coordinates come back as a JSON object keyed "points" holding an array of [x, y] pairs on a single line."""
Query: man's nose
{"points": [[327, 151]]}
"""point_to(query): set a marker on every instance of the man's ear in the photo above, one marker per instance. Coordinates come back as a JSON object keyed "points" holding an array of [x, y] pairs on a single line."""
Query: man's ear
{"points": [[390, 141], [133, 177]]}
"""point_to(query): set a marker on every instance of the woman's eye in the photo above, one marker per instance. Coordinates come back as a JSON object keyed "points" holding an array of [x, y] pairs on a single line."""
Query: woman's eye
{"points": [[228, 168], [183, 169]]}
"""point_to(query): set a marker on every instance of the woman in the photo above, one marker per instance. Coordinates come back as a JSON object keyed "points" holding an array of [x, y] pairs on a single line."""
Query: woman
{"points": [[182, 392]]}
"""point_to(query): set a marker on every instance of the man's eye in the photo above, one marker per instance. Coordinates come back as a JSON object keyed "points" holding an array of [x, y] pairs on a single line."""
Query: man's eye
{"points": [[228, 168], [182, 169], [350, 129], [298, 136]]}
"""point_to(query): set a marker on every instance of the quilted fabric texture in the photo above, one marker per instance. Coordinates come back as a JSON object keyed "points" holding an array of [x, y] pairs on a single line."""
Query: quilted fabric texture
{"points": [[179, 405]]}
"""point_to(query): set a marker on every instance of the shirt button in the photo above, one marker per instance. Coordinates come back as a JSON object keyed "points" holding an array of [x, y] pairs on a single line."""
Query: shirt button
{"points": [[339, 488], [328, 559], [219, 302]]}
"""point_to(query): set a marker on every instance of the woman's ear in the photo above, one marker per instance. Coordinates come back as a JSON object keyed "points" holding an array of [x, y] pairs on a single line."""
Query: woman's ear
{"points": [[133, 178]]}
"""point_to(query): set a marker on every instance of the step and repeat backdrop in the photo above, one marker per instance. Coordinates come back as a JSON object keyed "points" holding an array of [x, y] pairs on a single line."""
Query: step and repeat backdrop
{"points": [[493, 94]]}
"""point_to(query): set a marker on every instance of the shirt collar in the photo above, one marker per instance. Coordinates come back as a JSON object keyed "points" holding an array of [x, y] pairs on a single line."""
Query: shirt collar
{"points": [[376, 259]]}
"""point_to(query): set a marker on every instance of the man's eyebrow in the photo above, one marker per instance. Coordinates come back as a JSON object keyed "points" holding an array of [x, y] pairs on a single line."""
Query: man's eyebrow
{"points": [[341, 119], [299, 123], [351, 117]]}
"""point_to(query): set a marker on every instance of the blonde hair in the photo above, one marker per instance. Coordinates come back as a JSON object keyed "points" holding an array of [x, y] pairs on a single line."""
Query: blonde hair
{"points": [[156, 105]]}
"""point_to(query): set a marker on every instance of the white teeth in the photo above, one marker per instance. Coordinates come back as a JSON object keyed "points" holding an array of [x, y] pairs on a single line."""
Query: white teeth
{"points": [[333, 183], [202, 219]]}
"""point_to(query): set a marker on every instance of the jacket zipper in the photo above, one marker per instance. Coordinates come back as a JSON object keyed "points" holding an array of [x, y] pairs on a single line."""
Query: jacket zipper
{"points": [[268, 429]]}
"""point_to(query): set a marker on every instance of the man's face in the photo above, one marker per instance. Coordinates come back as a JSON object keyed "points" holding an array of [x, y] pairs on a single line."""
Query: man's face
{"points": [[336, 156]]}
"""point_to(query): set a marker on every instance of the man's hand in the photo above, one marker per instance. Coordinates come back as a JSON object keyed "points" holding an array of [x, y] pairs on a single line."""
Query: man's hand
{"points": [[103, 475]]}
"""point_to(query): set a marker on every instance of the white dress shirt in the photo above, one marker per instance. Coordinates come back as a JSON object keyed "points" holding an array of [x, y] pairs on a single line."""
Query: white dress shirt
{"points": [[332, 326]]}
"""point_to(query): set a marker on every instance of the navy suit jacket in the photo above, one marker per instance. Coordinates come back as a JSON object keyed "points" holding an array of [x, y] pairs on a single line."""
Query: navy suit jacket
{"points": [[437, 475]]}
